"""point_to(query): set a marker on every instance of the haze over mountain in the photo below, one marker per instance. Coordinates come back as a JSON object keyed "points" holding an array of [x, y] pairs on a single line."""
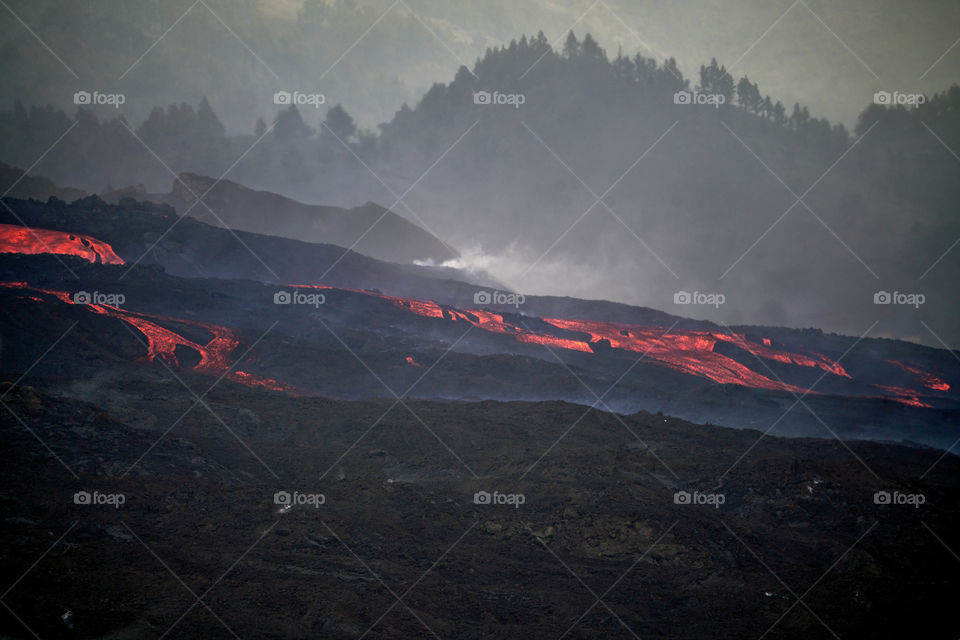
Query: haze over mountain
{"points": [[370, 229], [643, 199], [830, 56]]}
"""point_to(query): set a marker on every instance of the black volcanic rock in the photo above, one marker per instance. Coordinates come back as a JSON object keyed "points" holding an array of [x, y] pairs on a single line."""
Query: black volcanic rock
{"points": [[599, 506], [600, 346], [151, 234]]}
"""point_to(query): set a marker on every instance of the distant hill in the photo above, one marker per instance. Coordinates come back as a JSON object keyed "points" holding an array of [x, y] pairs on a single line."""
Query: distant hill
{"points": [[300, 40], [371, 229], [23, 186]]}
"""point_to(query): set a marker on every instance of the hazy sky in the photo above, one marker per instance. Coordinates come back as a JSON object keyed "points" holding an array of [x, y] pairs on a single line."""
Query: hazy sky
{"points": [[374, 54], [831, 56]]}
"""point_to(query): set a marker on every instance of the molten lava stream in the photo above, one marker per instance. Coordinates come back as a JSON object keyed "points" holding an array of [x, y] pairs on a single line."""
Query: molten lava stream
{"points": [[687, 351], [162, 342], [17, 239], [928, 380], [904, 395], [765, 351]]}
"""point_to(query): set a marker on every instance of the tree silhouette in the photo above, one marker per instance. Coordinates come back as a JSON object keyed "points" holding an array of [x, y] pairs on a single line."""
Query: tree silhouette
{"points": [[571, 48], [339, 122]]}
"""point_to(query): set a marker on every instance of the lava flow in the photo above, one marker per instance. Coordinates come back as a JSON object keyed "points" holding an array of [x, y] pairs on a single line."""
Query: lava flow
{"points": [[928, 380], [687, 351], [904, 395], [162, 343], [691, 352], [17, 239]]}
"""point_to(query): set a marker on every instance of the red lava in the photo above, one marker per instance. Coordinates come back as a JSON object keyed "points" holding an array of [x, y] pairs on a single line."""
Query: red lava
{"points": [[162, 343], [904, 395], [928, 380], [17, 239], [690, 352]]}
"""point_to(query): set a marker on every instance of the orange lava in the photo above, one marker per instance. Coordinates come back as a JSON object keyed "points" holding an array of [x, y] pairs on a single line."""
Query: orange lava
{"points": [[691, 351], [495, 323], [904, 395], [162, 342], [928, 380], [553, 341], [687, 351], [256, 381], [764, 351], [17, 239], [420, 307]]}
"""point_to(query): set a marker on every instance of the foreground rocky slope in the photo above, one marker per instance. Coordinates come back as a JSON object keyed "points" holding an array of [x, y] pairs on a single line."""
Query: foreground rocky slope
{"points": [[796, 543]]}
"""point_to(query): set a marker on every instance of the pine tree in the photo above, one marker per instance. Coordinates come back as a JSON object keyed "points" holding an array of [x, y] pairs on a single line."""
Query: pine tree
{"points": [[571, 48]]}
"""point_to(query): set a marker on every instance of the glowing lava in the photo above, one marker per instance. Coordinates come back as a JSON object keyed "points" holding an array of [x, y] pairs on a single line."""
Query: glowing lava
{"points": [[17, 239], [485, 320], [690, 352], [162, 343], [904, 395], [928, 380], [687, 351]]}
